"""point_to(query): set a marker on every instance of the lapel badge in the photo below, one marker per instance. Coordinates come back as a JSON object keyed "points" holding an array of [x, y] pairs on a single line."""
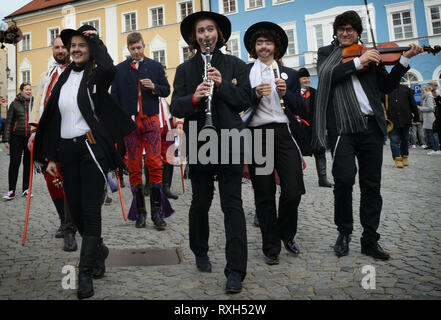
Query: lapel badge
{"points": [[284, 76], [234, 81]]}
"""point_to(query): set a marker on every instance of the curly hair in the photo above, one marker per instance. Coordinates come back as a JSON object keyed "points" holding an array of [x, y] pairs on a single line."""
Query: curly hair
{"points": [[349, 17], [268, 34]]}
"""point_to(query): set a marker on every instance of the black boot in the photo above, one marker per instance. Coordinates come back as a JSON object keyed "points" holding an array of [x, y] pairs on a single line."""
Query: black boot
{"points": [[146, 186], [320, 163], [89, 247], [140, 205], [69, 241], [167, 176], [155, 205], [59, 205], [101, 254]]}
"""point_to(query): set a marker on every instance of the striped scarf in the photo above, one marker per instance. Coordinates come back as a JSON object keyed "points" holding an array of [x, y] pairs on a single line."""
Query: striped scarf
{"points": [[349, 118]]}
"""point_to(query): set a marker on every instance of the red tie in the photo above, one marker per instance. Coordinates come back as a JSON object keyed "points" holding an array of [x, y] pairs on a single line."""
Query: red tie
{"points": [[54, 79]]}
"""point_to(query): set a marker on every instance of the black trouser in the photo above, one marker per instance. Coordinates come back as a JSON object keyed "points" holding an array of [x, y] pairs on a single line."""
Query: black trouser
{"points": [[288, 163], [83, 184], [230, 192], [18, 146], [367, 147]]}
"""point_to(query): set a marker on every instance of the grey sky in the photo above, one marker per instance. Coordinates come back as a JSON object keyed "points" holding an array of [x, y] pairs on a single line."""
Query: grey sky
{"points": [[9, 6]]}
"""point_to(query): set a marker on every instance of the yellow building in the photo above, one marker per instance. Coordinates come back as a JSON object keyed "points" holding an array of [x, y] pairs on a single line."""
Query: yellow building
{"points": [[157, 20]]}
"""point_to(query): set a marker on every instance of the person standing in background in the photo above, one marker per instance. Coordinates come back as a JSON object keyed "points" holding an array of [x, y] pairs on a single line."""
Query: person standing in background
{"points": [[16, 135]]}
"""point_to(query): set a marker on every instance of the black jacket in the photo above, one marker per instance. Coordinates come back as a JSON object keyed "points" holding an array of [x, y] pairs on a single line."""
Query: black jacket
{"points": [[376, 82], [293, 107], [109, 124], [232, 97], [402, 107], [17, 119], [125, 86]]}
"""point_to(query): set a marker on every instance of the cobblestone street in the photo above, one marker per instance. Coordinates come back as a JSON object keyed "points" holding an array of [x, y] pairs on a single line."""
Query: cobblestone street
{"points": [[410, 230]]}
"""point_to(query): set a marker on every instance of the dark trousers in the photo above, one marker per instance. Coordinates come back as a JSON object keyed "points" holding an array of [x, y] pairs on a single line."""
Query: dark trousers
{"points": [[367, 147], [399, 142], [18, 148], [288, 163], [83, 184], [230, 192]]}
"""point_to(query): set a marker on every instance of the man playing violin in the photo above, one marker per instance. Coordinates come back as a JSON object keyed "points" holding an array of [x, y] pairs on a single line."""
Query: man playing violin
{"points": [[348, 106]]}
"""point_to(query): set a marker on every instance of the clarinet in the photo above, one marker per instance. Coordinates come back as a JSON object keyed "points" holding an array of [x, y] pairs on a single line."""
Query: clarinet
{"points": [[276, 76], [208, 114]]}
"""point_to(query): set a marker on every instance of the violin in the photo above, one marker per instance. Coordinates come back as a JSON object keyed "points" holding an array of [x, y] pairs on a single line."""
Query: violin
{"points": [[390, 52]]}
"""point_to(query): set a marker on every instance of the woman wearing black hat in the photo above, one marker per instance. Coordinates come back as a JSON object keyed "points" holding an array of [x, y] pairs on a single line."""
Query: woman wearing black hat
{"points": [[78, 128], [267, 42], [231, 95]]}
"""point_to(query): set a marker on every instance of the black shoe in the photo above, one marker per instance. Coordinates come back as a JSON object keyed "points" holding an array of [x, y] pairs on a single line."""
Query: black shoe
{"points": [[159, 223], [271, 260], [167, 176], [60, 232], [292, 247], [256, 221], [234, 283], [140, 222], [69, 242], [101, 254], [323, 182], [203, 264], [376, 251], [341, 247]]}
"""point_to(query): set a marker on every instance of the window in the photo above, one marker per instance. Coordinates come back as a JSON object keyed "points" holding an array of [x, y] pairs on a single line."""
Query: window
{"points": [[159, 56], [291, 42], [26, 42], [156, 17], [228, 6], [94, 23], [129, 21], [408, 79], [26, 76], [436, 19], [52, 35], [184, 9], [254, 4], [186, 53], [364, 36], [233, 46], [402, 25], [276, 2], [319, 35]]}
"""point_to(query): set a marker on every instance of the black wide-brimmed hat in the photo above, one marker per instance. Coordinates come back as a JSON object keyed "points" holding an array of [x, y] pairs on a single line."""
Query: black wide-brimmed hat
{"points": [[268, 26], [187, 25], [303, 72], [67, 34]]}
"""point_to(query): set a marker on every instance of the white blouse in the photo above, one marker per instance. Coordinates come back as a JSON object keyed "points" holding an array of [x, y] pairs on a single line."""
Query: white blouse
{"points": [[72, 121]]}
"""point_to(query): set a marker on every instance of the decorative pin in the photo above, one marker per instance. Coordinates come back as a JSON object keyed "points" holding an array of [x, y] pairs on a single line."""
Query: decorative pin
{"points": [[284, 76]]}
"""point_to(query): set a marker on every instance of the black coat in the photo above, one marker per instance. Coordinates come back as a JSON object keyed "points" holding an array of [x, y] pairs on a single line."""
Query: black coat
{"points": [[17, 119], [293, 107], [376, 82], [402, 107], [232, 97], [109, 124], [125, 86]]}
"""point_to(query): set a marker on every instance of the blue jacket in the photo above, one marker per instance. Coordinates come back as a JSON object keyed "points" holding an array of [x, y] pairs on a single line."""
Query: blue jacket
{"points": [[125, 86]]}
